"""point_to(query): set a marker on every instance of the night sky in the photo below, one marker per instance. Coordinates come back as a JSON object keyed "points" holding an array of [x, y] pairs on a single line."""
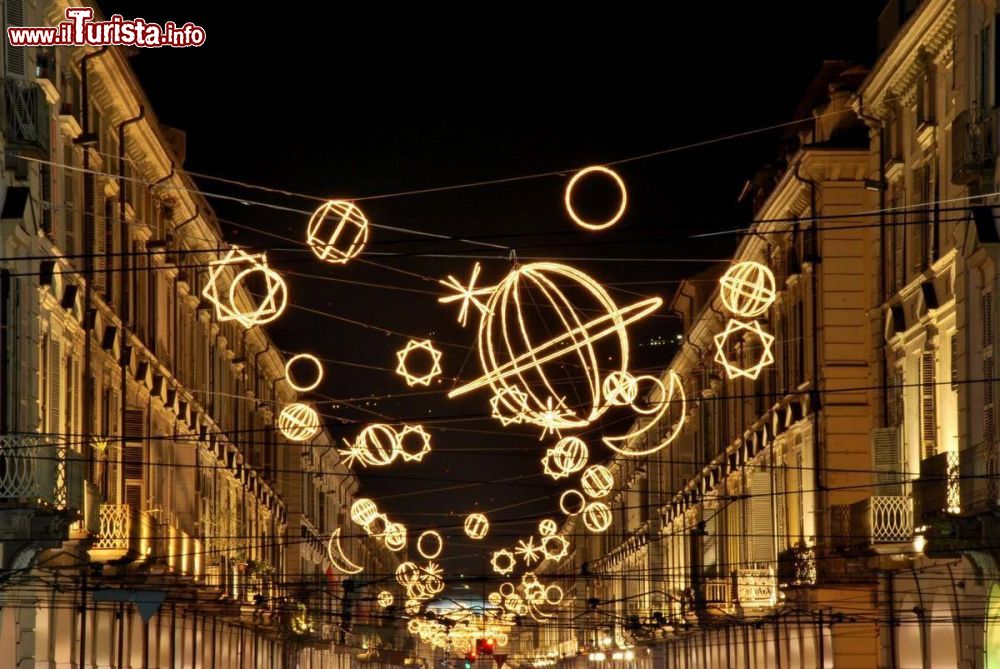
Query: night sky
{"points": [[338, 102]]}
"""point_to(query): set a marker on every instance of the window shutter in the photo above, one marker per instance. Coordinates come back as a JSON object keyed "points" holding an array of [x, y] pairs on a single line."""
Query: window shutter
{"points": [[132, 465], [954, 362], [779, 507], [762, 518], [886, 460], [928, 413], [55, 373], [69, 205], [99, 234], [111, 277], [989, 386], [711, 542], [14, 56]]}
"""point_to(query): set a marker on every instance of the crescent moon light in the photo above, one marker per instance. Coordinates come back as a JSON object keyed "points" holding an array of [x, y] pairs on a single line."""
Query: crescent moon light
{"points": [[668, 398], [340, 560]]}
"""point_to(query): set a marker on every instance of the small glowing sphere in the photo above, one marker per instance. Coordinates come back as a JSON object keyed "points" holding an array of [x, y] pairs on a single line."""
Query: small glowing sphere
{"points": [[571, 502], [476, 526], [747, 289], [337, 231], [364, 511], [568, 198], [620, 388], [385, 599], [298, 422], [597, 516], [412, 607], [597, 481], [394, 536], [547, 527], [494, 599], [437, 544], [377, 445], [553, 595], [507, 589], [303, 358], [568, 456]]}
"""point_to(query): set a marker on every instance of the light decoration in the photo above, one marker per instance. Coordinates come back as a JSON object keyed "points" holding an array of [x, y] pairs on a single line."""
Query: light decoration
{"points": [[413, 443], [476, 526], [739, 329], [412, 607], [317, 376], [429, 535], [407, 573], [509, 406], [429, 372], [503, 561], [338, 560], [494, 599], [467, 294], [363, 511], [547, 527], [668, 396], [568, 198], [528, 550], [507, 589], [377, 445], [514, 366], [568, 456], [337, 231], [620, 388], [571, 502], [245, 264], [597, 481], [597, 517], [385, 599], [747, 289], [394, 536], [555, 547], [298, 422]]}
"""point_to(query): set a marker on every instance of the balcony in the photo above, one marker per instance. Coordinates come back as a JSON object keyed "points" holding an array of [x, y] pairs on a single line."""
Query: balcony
{"points": [[24, 117], [719, 596], [881, 522], [756, 587], [973, 145], [936, 491], [34, 472], [979, 487], [797, 567], [125, 534]]}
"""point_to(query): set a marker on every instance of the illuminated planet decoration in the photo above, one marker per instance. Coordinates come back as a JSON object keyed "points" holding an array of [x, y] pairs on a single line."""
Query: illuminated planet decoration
{"points": [[521, 356]]}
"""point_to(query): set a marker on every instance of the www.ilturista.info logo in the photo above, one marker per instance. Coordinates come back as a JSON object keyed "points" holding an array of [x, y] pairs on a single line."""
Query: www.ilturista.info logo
{"points": [[79, 29]]}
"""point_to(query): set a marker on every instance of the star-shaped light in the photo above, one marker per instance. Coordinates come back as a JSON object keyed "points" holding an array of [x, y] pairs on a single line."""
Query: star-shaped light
{"points": [[741, 329], [403, 368], [529, 551], [467, 293], [351, 455], [225, 302], [553, 416], [503, 561], [417, 434], [555, 547], [508, 406]]}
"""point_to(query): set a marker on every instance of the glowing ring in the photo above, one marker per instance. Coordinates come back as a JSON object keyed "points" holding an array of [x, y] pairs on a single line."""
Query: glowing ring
{"points": [[258, 317], [288, 373], [420, 544], [562, 503], [568, 198], [551, 601], [509, 591]]}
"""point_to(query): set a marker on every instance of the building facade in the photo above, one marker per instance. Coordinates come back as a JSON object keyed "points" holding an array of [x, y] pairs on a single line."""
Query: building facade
{"points": [[840, 509], [150, 513]]}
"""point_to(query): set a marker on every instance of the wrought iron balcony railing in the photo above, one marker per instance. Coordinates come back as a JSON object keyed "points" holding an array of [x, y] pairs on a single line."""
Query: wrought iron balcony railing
{"points": [[24, 116], [882, 519], [125, 533], [756, 586], [36, 472], [936, 491], [979, 485], [797, 567]]}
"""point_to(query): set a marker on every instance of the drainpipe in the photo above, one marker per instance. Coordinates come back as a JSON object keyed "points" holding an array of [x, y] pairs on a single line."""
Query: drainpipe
{"points": [[891, 603], [814, 286], [883, 284], [124, 306]]}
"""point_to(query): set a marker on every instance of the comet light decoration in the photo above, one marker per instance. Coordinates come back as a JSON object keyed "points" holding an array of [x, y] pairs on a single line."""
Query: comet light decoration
{"points": [[597, 481], [297, 360], [436, 541], [571, 502], [664, 399], [547, 527], [568, 456], [245, 265], [376, 446], [555, 547], [476, 526], [747, 289], [338, 559], [529, 551], [597, 517], [568, 198], [337, 231], [385, 599], [738, 330], [503, 561], [413, 443], [298, 422], [524, 372], [408, 368]]}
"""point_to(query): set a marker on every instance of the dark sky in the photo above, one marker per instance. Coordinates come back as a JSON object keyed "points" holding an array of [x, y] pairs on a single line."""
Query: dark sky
{"points": [[339, 102]]}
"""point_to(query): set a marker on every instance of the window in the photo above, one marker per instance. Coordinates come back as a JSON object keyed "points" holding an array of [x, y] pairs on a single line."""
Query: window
{"points": [[926, 97], [928, 404], [984, 68]]}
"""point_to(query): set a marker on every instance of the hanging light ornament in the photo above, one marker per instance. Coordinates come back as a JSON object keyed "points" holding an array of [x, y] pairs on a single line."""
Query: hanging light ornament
{"points": [[571, 502], [413, 443], [547, 527], [338, 559], [503, 561], [385, 599], [227, 307], [568, 456], [337, 231], [747, 289], [363, 511], [476, 526], [666, 397], [377, 446], [568, 198], [597, 517], [431, 367], [303, 358], [555, 547], [298, 422], [738, 330], [529, 551], [436, 542], [597, 481]]}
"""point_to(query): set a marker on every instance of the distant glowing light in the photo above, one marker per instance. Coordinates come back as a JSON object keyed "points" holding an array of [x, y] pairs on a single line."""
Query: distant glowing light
{"points": [[568, 198]]}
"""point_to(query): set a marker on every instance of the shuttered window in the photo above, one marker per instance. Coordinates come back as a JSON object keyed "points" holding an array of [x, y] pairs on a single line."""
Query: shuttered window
{"points": [[55, 378], [886, 460], [132, 458], [13, 56], [69, 205], [989, 386], [95, 195], [710, 512], [761, 517], [928, 406]]}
